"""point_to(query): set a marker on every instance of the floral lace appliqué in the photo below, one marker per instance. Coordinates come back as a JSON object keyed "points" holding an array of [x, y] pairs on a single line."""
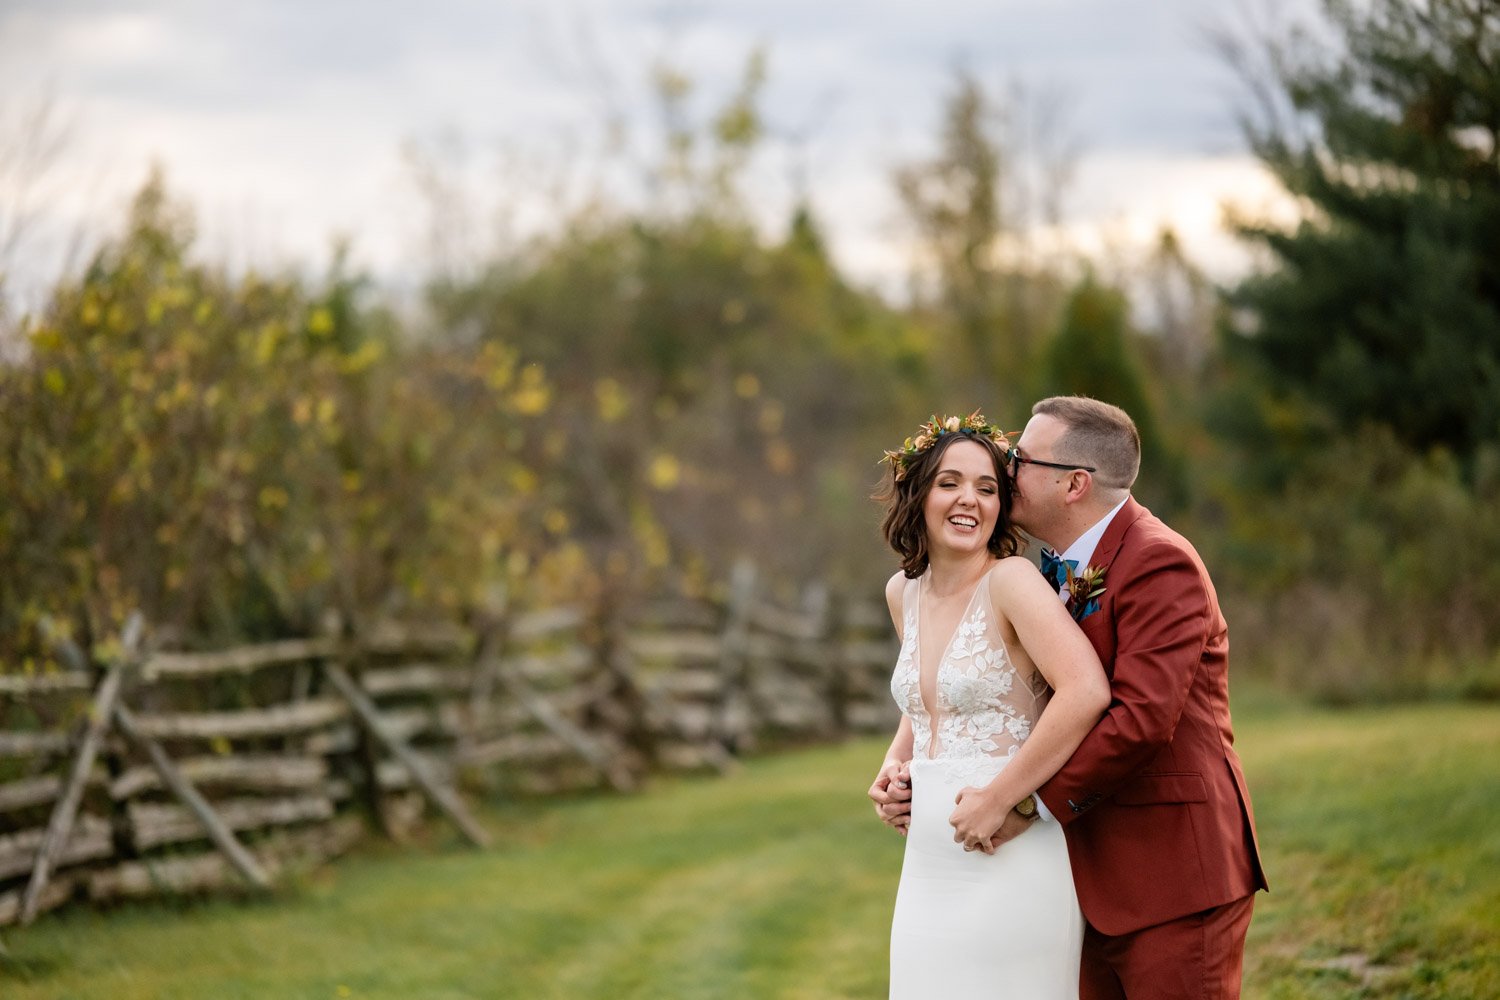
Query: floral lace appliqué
{"points": [[984, 711]]}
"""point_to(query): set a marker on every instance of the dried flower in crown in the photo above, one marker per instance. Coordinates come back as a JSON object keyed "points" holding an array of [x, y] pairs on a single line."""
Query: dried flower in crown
{"points": [[974, 425]]}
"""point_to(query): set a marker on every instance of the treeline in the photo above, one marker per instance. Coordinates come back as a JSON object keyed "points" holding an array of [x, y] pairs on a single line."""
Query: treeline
{"points": [[646, 393]]}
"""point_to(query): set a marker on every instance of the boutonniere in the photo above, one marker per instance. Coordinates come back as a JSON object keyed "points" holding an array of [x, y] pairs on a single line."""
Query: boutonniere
{"points": [[1084, 590]]}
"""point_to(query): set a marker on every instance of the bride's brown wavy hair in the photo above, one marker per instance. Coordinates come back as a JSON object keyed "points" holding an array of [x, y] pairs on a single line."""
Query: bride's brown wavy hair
{"points": [[905, 527]]}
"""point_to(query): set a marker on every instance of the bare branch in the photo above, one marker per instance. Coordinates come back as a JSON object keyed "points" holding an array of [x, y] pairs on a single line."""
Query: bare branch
{"points": [[33, 134]]}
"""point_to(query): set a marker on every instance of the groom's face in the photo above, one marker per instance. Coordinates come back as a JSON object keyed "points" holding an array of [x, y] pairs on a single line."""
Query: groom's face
{"points": [[1039, 491]]}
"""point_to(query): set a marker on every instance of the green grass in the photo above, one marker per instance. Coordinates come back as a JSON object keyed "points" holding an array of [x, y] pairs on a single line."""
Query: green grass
{"points": [[1381, 828], [1382, 833]]}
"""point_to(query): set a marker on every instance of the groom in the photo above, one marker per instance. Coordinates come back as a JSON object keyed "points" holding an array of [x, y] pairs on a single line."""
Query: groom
{"points": [[1153, 802]]}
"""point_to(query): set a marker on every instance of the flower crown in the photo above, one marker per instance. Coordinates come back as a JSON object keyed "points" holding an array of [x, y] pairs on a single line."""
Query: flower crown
{"points": [[928, 434]]}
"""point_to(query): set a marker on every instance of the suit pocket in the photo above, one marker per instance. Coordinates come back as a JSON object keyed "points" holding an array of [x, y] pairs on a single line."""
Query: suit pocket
{"points": [[1163, 788]]}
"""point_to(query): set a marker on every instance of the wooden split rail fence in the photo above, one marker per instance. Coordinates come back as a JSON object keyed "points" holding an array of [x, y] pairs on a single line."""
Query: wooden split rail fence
{"points": [[164, 771]]}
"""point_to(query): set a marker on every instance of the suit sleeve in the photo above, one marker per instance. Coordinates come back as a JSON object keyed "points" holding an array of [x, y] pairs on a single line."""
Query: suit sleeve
{"points": [[1161, 625]]}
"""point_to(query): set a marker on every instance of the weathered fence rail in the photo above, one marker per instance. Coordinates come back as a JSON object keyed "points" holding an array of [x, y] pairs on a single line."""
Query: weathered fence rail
{"points": [[166, 771]]}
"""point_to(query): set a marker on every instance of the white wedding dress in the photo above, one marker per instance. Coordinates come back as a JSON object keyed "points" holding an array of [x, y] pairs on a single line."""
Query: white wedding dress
{"points": [[974, 925]]}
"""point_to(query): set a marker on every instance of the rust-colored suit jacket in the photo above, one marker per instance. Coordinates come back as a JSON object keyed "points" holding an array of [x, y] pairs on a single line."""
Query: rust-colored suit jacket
{"points": [[1153, 802]]}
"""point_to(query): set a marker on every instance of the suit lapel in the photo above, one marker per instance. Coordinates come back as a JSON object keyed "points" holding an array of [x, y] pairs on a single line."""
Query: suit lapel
{"points": [[1098, 627], [1114, 535]]}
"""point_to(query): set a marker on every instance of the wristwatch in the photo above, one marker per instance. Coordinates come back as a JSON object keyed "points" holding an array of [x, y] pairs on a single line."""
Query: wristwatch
{"points": [[1027, 807]]}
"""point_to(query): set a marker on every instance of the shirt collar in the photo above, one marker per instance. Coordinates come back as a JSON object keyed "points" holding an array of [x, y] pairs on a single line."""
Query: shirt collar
{"points": [[1082, 550]]}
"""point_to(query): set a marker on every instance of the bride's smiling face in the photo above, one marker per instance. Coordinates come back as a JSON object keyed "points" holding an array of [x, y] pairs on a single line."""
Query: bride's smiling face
{"points": [[964, 502]]}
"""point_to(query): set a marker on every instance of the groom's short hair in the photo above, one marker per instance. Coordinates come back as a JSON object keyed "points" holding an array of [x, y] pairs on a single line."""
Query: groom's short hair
{"points": [[1099, 434]]}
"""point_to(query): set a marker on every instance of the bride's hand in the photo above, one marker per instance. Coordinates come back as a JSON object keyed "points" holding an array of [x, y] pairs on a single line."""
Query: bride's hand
{"points": [[891, 793], [979, 814]]}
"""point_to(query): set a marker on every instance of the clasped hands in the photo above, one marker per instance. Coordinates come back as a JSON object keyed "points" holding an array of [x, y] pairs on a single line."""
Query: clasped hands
{"points": [[981, 820], [891, 793]]}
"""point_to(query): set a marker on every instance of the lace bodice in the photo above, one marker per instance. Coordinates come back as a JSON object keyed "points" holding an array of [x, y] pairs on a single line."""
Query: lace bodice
{"points": [[985, 710]]}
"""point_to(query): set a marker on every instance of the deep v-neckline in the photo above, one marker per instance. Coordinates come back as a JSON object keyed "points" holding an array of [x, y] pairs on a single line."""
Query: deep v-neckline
{"points": [[963, 615]]}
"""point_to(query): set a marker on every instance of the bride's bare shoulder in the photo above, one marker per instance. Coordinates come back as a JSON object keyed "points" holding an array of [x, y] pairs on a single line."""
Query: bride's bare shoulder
{"points": [[1015, 578], [894, 589]]}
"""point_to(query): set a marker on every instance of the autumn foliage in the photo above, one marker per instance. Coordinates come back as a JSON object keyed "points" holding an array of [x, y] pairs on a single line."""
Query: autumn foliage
{"points": [[233, 456]]}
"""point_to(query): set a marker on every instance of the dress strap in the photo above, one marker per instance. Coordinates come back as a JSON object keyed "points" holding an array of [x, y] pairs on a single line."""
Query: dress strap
{"points": [[910, 594]]}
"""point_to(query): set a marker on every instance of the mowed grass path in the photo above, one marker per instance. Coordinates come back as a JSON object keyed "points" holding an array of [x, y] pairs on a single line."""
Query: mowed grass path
{"points": [[1381, 828]]}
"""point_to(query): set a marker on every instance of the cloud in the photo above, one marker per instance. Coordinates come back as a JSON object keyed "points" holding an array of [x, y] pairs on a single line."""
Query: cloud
{"points": [[285, 117]]}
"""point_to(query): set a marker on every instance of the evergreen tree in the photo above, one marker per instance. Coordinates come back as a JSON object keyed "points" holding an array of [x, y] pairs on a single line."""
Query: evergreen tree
{"points": [[1092, 354], [1383, 306]]}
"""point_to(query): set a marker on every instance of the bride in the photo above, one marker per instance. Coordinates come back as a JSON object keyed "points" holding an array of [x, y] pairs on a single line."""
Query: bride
{"points": [[986, 646]]}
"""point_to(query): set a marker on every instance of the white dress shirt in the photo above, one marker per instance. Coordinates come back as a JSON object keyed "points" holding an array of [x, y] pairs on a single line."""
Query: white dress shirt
{"points": [[1082, 550]]}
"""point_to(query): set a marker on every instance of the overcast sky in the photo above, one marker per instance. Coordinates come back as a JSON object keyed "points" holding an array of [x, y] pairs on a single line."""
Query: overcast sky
{"points": [[282, 122]]}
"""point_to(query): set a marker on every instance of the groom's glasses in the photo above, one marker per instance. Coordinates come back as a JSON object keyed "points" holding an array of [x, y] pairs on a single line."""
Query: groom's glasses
{"points": [[1016, 460]]}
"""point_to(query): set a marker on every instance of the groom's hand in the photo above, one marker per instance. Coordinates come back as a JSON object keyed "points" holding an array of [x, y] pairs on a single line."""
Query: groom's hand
{"points": [[979, 823], [891, 794], [1015, 824], [976, 818]]}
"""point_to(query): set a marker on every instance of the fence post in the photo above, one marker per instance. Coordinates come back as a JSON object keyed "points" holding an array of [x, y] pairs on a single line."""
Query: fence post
{"points": [[218, 831], [734, 729], [621, 710], [492, 626], [340, 628], [60, 826], [820, 607], [440, 795]]}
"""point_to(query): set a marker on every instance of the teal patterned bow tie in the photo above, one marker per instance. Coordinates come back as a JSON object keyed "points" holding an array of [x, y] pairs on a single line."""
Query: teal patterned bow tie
{"points": [[1053, 567]]}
